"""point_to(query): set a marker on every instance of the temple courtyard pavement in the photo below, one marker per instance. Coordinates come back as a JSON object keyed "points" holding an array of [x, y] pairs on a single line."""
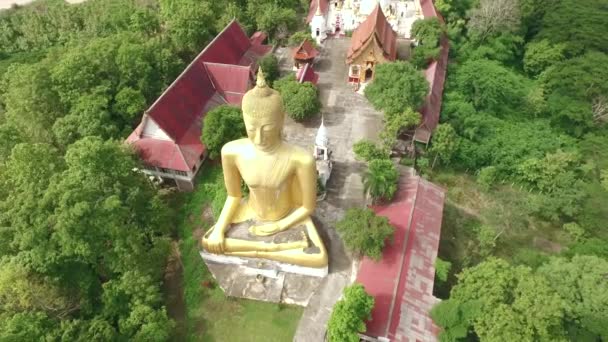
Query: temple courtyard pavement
{"points": [[349, 117]]}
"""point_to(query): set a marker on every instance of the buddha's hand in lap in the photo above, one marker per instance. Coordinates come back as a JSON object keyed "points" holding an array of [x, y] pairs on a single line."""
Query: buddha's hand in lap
{"points": [[265, 229], [215, 242]]}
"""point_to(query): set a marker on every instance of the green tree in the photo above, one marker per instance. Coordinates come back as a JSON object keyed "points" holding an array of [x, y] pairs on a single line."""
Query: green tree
{"points": [[395, 124], [581, 282], [272, 18], [427, 32], [502, 302], [380, 179], [442, 269], [221, 125], [490, 86], [298, 37], [349, 314], [30, 101], [270, 67], [365, 233], [187, 24], [540, 55], [444, 143], [301, 99], [578, 24], [396, 87]]}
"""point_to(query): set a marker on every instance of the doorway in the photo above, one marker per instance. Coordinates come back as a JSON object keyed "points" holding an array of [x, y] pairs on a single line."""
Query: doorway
{"points": [[369, 73]]}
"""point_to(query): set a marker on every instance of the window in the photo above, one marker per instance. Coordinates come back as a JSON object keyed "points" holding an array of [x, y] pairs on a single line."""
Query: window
{"points": [[318, 32], [163, 170], [181, 173]]}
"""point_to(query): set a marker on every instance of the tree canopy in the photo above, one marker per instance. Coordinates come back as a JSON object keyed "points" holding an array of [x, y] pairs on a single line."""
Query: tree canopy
{"points": [[365, 233], [221, 125], [349, 314], [396, 87], [301, 99]]}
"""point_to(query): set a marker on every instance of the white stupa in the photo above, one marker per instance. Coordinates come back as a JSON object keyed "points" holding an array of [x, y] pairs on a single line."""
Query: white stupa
{"points": [[322, 154], [322, 142]]}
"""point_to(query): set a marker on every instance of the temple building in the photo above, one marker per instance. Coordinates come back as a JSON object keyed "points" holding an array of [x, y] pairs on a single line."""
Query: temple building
{"points": [[402, 282], [304, 54], [372, 43], [168, 139]]}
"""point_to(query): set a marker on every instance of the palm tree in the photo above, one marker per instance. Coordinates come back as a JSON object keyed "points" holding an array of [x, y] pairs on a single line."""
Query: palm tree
{"points": [[380, 179]]}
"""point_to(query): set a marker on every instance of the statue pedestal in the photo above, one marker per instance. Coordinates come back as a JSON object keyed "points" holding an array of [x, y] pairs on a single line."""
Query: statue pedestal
{"points": [[264, 280]]}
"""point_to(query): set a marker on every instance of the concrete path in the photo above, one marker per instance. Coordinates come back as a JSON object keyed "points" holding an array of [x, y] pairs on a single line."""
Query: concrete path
{"points": [[349, 118]]}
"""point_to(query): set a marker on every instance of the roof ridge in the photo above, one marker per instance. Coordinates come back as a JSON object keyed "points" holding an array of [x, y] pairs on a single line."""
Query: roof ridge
{"points": [[195, 60], [405, 242], [226, 65]]}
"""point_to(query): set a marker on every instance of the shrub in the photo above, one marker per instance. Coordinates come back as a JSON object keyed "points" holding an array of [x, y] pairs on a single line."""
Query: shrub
{"points": [[221, 125], [487, 177], [380, 179], [366, 150], [301, 99], [349, 315], [575, 230], [442, 269], [364, 233]]}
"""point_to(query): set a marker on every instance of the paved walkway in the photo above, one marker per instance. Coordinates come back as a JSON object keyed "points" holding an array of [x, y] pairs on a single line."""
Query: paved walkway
{"points": [[349, 118]]}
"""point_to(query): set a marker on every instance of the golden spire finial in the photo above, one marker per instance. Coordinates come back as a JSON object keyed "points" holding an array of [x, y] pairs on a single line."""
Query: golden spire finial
{"points": [[319, 8], [261, 79]]}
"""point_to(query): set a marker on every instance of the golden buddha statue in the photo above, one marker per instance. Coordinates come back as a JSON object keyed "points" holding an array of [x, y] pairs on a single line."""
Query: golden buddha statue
{"points": [[282, 186]]}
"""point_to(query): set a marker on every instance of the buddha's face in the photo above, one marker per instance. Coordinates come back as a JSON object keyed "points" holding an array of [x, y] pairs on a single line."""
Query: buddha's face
{"points": [[264, 132]]}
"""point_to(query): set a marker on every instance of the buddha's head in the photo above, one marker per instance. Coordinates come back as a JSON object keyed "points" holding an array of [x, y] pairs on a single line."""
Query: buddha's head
{"points": [[263, 114]]}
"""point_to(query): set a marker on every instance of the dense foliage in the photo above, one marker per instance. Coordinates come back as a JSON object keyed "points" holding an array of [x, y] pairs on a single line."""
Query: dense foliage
{"points": [[349, 314], [84, 236], [365, 233], [427, 33], [396, 87], [301, 99], [380, 179], [270, 67], [525, 102], [221, 125]]}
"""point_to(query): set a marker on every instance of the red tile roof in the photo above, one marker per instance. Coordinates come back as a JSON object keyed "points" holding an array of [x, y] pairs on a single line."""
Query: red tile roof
{"points": [[221, 73], [307, 74], [305, 51], [312, 9], [375, 25], [402, 282], [435, 74]]}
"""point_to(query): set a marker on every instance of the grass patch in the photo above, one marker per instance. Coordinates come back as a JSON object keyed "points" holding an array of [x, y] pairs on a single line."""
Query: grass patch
{"points": [[210, 315]]}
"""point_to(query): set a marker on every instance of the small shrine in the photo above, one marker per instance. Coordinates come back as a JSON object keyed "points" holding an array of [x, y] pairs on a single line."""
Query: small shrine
{"points": [[304, 54]]}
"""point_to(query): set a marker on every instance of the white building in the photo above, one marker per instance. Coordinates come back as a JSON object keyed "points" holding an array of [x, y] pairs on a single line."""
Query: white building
{"points": [[341, 16]]}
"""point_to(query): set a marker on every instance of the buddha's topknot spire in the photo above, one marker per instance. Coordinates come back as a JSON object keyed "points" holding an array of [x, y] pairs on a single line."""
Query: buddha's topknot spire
{"points": [[261, 79]]}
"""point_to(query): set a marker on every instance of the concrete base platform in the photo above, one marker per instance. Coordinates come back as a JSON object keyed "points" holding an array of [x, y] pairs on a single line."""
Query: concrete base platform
{"points": [[264, 280]]}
